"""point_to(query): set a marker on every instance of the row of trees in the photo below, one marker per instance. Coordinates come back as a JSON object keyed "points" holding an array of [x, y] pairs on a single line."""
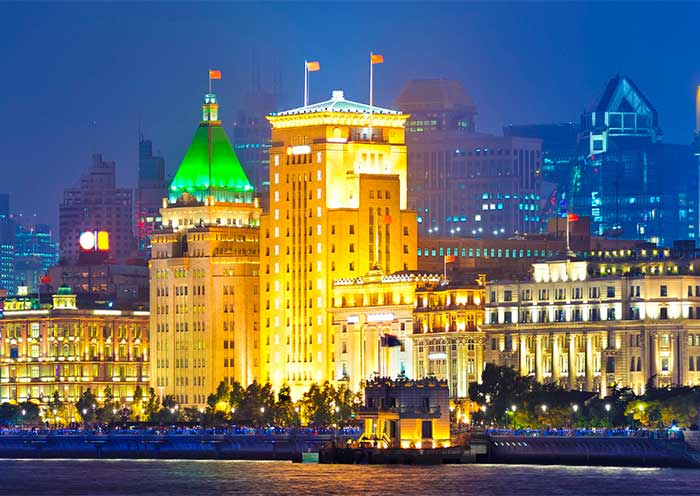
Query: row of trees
{"points": [[256, 405], [507, 398]]}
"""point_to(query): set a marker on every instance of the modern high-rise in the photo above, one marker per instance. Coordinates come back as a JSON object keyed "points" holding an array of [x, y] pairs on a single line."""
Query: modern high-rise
{"points": [[7, 246], [338, 209], [152, 188], [630, 183], [35, 253], [97, 204], [559, 155], [252, 134], [464, 183], [204, 272]]}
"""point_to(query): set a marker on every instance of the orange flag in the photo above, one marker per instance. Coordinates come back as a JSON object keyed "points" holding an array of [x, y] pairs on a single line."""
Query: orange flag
{"points": [[572, 217], [377, 59], [450, 258], [313, 66], [214, 74]]}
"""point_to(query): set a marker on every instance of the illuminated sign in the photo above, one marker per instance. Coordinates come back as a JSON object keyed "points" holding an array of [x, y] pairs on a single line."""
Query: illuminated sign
{"points": [[353, 319], [437, 356], [380, 317], [94, 240]]}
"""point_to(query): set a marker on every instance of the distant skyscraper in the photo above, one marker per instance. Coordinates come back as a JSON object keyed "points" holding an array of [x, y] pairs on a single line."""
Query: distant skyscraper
{"points": [[7, 246], [97, 204], [149, 194], [35, 253], [464, 183], [251, 135], [632, 185], [559, 154]]}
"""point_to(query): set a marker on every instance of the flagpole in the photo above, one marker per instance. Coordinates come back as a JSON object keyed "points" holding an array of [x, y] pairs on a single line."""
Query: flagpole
{"points": [[371, 91], [209, 80], [306, 83], [568, 247]]}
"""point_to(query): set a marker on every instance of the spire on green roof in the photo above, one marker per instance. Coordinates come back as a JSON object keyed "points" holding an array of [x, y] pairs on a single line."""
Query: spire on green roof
{"points": [[210, 166]]}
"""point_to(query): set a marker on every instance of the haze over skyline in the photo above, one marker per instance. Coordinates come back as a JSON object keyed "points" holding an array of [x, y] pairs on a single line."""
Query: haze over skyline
{"points": [[68, 66]]}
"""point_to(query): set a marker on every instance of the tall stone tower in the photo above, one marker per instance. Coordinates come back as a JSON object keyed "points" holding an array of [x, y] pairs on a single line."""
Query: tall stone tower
{"points": [[204, 271], [337, 210]]}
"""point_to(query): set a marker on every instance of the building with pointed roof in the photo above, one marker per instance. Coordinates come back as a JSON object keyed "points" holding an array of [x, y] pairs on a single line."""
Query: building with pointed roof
{"points": [[631, 184], [204, 271]]}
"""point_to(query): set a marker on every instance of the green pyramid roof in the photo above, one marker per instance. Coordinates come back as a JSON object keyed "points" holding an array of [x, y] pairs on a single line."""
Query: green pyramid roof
{"points": [[228, 180]]}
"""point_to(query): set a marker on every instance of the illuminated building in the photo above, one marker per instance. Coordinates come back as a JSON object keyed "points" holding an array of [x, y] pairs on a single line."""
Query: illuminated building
{"points": [[69, 349], [512, 258], [464, 183], [204, 272], [406, 413], [372, 319], [7, 246], [448, 340], [152, 188], [338, 209], [622, 180], [559, 155], [96, 204], [35, 253], [590, 324]]}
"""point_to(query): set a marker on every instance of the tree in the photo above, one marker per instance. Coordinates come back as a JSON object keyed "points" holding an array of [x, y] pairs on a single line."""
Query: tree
{"points": [[137, 409], [286, 412], [153, 405], [55, 405], [107, 413], [87, 406], [257, 406]]}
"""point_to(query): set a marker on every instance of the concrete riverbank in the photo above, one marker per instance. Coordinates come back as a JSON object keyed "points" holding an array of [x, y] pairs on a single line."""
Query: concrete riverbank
{"points": [[547, 450], [162, 446]]}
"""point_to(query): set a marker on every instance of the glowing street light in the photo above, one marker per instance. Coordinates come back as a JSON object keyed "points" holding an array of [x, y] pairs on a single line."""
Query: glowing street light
{"points": [[544, 408], [262, 409], [607, 407], [575, 408], [513, 408]]}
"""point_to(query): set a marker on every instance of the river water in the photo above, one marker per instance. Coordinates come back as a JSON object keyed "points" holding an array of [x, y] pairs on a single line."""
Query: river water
{"points": [[171, 478]]}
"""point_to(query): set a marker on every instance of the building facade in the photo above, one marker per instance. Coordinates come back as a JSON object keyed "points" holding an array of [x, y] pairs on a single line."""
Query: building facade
{"points": [[372, 319], [68, 349], [591, 325], [204, 272], [338, 209], [97, 204], [622, 180], [448, 341], [464, 183]]}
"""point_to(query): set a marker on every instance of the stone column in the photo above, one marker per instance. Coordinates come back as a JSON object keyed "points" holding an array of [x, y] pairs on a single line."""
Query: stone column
{"points": [[539, 364], [523, 355], [653, 351], [572, 361], [589, 362], [555, 358], [479, 344]]}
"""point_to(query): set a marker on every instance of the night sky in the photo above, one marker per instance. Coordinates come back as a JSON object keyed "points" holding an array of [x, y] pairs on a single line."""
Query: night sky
{"points": [[65, 67]]}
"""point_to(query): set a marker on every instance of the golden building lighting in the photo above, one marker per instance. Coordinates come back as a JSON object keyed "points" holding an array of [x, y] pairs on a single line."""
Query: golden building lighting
{"points": [[591, 325], [62, 348], [204, 272], [448, 340], [337, 210]]}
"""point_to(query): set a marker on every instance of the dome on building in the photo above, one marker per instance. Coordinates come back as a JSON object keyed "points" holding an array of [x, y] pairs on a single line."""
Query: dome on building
{"points": [[433, 94], [210, 166]]}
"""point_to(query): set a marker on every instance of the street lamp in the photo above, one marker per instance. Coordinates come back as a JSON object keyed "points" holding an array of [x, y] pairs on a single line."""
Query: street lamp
{"points": [[574, 407], [544, 408], [607, 407], [513, 408]]}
